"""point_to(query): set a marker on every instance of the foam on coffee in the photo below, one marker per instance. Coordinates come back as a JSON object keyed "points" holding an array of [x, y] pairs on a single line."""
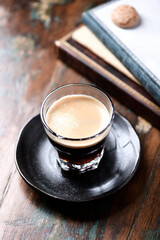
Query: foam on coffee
{"points": [[77, 116]]}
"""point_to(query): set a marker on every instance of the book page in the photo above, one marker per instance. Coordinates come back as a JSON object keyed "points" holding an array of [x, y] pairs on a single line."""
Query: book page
{"points": [[144, 39], [87, 39]]}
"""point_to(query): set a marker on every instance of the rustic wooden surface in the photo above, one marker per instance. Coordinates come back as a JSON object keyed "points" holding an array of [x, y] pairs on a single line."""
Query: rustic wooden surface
{"points": [[28, 71]]}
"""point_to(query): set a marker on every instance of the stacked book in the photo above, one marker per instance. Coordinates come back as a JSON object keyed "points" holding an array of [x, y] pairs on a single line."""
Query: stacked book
{"points": [[123, 62]]}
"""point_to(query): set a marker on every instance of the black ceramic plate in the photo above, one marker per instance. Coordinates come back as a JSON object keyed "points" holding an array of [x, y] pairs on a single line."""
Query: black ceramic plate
{"points": [[35, 161]]}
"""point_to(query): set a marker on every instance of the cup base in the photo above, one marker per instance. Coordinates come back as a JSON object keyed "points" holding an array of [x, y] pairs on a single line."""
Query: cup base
{"points": [[81, 168]]}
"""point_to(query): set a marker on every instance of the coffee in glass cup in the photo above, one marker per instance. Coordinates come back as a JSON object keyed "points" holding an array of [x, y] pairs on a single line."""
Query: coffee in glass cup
{"points": [[77, 118]]}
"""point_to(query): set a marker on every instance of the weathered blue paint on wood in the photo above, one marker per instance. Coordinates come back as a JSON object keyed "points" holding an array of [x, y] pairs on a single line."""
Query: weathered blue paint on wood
{"points": [[29, 69]]}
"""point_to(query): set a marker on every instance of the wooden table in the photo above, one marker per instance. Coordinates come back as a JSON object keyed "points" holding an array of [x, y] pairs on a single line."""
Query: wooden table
{"points": [[29, 70]]}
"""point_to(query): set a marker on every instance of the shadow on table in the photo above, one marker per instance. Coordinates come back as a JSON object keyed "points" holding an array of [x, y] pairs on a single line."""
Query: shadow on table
{"points": [[100, 208], [80, 211], [129, 196]]}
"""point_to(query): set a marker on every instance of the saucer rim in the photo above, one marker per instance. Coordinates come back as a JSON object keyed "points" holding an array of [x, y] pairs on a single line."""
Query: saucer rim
{"points": [[92, 198]]}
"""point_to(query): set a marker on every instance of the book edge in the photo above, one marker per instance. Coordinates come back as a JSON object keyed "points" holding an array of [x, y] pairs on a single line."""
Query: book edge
{"points": [[142, 73], [118, 81]]}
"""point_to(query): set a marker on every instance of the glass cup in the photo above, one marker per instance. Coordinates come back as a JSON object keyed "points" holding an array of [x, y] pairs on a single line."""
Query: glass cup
{"points": [[78, 154]]}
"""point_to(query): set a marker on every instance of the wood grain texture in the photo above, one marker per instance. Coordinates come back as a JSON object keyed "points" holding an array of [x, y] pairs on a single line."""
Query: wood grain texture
{"points": [[29, 70]]}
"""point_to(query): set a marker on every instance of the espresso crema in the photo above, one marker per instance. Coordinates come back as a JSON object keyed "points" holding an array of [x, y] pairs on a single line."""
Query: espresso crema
{"points": [[77, 116]]}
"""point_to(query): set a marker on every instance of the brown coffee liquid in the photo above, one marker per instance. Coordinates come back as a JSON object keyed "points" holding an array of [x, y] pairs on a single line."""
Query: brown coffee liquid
{"points": [[77, 116]]}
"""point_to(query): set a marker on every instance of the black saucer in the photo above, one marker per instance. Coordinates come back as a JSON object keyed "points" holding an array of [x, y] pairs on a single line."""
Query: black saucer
{"points": [[35, 161]]}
